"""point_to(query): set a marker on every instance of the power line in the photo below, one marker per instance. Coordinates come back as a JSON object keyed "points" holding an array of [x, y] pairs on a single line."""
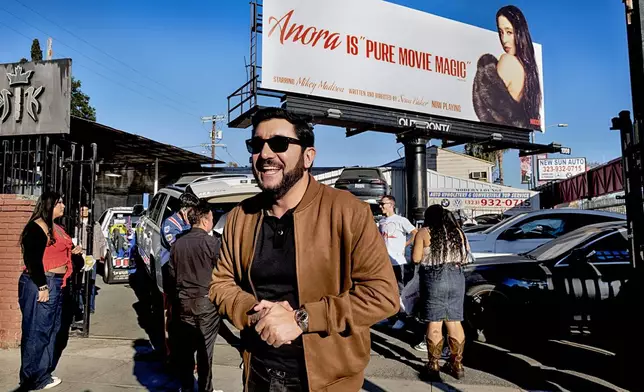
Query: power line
{"points": [[109, 79], [88, 57], [100, 50]]}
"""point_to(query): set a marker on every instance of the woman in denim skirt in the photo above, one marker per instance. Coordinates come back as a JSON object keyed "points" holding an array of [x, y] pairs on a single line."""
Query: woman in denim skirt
{"points": [[441, 249], [47, 253]]}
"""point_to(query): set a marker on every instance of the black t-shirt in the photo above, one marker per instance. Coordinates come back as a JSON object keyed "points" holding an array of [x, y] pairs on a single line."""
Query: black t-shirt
{"points": [[274, 276]]}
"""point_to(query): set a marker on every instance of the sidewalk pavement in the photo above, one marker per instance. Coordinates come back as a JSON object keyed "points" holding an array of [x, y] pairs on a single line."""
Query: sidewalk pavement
{"points": [[102, 365]]}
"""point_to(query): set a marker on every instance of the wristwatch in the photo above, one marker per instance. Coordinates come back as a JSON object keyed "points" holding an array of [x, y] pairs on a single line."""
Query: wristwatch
{"points": [[43, 288], [302, 319]]}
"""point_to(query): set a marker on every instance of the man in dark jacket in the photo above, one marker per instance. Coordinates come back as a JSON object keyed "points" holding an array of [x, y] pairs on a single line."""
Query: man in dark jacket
{"points": [[192, 260]]}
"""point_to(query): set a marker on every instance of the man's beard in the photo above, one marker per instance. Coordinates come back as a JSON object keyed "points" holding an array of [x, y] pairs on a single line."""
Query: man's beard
{"points": [[289, 179]]}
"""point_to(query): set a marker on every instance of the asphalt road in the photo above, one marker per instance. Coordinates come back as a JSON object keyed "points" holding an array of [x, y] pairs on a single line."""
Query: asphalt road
{"points": [[543, 366]]}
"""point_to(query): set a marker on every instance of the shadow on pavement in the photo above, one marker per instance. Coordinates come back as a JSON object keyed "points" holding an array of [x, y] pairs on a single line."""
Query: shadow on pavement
{"points": [[549, 375], [149, 308], [149, 369], [540, 365]]}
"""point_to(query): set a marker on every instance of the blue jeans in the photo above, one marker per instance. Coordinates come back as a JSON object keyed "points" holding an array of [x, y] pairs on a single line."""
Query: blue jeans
{"points": [[40, 324]]}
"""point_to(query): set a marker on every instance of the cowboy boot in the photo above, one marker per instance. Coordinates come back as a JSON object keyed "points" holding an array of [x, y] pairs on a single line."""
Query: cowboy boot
{"points": [[434, 352], [454, 365]]}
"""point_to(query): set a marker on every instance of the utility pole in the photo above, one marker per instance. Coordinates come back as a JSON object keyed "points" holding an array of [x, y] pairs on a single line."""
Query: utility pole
{"points": [[213, 133]]}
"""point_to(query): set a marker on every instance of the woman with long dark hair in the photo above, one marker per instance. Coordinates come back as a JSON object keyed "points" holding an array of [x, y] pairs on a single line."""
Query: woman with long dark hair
{"points": [[508, 91], [441, 249], [47, 251]]}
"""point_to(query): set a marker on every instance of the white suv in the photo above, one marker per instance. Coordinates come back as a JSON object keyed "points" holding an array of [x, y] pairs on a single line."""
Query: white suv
{"points": [[222, 191]]}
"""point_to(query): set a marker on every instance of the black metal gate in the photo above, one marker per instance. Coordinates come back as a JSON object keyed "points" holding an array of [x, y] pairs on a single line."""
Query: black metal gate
{"points": [[34, 164]]}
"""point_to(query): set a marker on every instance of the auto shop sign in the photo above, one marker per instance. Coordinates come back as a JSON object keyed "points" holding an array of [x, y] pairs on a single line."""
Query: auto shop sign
{"points": [[489, 200], [560, 168]]}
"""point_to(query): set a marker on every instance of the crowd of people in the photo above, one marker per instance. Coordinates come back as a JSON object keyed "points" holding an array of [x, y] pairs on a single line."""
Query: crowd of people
{"points": [[300, 269]]}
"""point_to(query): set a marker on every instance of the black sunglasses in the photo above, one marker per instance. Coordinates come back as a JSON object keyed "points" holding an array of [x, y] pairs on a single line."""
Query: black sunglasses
{"points": [[277, 144]]}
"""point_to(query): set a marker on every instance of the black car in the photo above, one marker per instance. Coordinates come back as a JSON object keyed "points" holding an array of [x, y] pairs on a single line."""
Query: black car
{"points": [[571, 284], [363, 182]]}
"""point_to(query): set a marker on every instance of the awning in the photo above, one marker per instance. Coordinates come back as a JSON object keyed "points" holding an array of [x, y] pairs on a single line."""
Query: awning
{"points": [[118, 147]]}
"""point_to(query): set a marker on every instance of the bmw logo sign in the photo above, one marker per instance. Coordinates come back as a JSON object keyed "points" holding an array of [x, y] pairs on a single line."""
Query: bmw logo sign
{"points": [[445, 203]]}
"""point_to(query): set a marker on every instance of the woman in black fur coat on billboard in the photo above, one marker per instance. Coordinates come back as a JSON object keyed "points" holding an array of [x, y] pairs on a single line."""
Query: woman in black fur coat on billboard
{"points": [[507, 91]]}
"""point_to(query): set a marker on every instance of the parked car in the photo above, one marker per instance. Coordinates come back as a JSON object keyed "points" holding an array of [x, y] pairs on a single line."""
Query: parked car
{"points": [[364, 182], [570, 283], [117, 226], [475, 228], [223, 191], [491, 219], [526, 231]]}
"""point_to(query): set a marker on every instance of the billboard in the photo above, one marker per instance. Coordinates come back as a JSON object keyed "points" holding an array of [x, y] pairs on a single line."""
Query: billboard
{"points": [[378, 53], [482, 200], [527, 168], [560, 168], [35, 98]]}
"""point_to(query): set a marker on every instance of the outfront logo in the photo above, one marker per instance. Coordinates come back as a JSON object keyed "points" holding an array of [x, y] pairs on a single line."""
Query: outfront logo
{"points": [[431, 125]]}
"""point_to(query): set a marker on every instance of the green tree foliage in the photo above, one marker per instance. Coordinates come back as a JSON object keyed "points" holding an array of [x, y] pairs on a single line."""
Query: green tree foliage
{"points": [[80, 102], [23, 60], [36, 52], [476, 150]]}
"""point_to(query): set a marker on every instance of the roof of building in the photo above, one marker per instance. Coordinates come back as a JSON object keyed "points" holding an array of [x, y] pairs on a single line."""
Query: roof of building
{"points": [[117, 146], [401, 161]]}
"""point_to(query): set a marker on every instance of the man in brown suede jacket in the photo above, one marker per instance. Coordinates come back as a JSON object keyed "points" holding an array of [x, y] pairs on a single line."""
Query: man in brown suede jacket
{"points": [[303, 271]]}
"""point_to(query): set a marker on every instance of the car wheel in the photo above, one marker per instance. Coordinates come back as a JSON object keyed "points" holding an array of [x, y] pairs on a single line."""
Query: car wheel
{"points": [[108, 269], [486, 313]]}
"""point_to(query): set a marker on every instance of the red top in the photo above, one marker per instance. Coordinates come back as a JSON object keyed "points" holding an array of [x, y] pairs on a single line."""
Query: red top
{"points": [[60, 253]]}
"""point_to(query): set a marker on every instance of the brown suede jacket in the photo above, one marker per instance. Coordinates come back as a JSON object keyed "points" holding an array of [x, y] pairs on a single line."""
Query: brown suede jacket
{"points": [[345, 280]]}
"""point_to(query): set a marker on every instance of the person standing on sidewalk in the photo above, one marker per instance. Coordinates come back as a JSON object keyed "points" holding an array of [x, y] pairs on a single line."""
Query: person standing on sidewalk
{"points": [[172, 228], [303, 271], [47, 251], [394, 230], [442, 249], [99, 247], [192, 260]]}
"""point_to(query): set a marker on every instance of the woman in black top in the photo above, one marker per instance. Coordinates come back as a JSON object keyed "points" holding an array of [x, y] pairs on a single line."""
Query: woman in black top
{"points": [[47, 253]]}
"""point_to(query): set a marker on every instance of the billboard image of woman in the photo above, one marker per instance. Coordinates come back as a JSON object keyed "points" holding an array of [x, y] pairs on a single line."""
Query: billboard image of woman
{"points": [[507, 90]]}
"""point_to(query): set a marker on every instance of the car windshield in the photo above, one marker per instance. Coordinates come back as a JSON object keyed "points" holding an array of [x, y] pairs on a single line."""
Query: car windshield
{"points": [[565, 243], [124, 219], [509, 220], [359, 173]]}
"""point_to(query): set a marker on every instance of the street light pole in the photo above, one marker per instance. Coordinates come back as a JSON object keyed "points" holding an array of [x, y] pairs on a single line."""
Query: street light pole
{"points": [[533, 160]]}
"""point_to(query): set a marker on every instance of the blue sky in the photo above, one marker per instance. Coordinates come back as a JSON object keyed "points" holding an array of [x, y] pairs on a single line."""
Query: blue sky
{"points": [[178, 61]]}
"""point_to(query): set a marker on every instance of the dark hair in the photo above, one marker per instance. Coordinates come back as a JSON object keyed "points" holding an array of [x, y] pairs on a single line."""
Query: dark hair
{"points": [[188, 200], [446, 237], [525, 53], [198, 211], [390, 197], [44, 210], [303, 129]]}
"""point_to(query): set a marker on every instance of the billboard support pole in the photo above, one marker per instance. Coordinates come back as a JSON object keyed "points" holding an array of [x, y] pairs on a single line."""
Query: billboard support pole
{"points": [[416, 171]]}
